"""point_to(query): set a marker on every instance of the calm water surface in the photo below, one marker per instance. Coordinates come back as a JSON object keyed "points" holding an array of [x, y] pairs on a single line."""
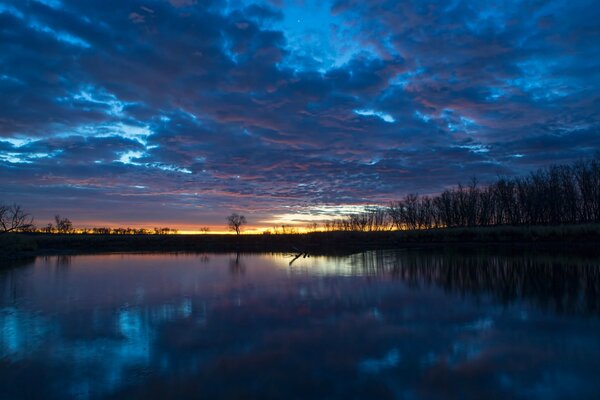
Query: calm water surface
{"points": [[378, 325]]}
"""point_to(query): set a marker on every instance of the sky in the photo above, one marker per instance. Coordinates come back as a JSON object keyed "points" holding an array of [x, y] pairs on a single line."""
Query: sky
{"points": [[180, 112]]}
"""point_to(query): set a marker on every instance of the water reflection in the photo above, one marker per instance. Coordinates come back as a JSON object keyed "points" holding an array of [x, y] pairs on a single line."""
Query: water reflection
{"points": [[404, 324], [236, 265], [563, 284]]}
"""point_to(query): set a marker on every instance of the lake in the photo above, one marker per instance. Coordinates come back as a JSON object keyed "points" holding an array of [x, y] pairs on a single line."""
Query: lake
{"points": [[416, 324]]}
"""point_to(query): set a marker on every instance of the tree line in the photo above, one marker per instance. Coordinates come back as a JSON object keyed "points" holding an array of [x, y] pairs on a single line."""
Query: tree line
{"points": [[112, 231], [14, 219], [559, 194]]}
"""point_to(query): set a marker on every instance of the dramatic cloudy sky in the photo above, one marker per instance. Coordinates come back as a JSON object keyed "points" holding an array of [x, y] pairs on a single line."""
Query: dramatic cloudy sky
{"points": [[178, 112]]}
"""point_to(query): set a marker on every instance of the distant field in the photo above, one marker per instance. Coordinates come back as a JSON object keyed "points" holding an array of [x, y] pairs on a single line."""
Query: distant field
{"points": [[574, 236]]}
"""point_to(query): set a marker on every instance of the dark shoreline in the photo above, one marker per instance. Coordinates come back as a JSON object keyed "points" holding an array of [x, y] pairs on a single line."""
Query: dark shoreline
{"points": [[570, 238]]}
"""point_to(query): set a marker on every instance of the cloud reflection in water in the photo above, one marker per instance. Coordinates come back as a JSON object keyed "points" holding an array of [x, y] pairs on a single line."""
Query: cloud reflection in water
{"points": [[378, 325]]}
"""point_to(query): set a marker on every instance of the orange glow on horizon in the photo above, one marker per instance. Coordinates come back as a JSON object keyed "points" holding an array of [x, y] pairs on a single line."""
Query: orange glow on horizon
{"points": [[193, 230], [302, 221]]}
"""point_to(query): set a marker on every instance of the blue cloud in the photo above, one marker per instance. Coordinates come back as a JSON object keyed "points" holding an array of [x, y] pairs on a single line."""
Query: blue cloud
{"points": [[384, 116], [263, 106]]}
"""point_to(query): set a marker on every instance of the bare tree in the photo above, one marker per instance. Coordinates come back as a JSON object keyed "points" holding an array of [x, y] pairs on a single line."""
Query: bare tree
{"points": [[235, 222], [205, 229], [63, 225], [312, 227], [14, 219]]}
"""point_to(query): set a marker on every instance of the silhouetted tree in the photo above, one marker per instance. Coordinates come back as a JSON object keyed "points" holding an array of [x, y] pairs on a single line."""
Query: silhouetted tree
{"points": [[164, 231], [235, 222], [63, 225], [14, 219], [312, 227]]}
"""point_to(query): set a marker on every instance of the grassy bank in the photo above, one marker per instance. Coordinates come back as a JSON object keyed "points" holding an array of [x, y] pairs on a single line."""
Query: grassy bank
{"points": [[23, 245], [17, 245]]}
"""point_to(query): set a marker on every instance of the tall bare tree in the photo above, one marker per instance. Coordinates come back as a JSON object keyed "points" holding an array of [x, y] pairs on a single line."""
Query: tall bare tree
{"points": [[235, 222], [14, 219]]}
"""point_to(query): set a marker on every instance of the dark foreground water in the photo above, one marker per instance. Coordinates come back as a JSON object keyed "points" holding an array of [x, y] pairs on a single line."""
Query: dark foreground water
{"points": [[404, 325]]}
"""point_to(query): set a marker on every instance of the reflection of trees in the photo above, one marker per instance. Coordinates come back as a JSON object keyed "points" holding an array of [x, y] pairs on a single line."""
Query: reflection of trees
{"points": [[13, 282], [236, 265], [551, 282], [60, 263], [63, 262]]}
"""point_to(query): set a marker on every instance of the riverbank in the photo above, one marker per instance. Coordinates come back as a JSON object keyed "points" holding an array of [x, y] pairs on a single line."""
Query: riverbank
{"points": [[21, 245]]}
